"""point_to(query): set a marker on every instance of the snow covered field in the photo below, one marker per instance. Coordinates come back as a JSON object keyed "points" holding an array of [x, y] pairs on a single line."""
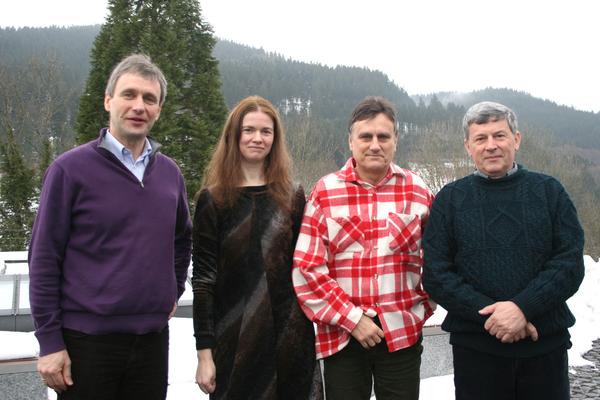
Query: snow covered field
{"points": [[585, 305]]}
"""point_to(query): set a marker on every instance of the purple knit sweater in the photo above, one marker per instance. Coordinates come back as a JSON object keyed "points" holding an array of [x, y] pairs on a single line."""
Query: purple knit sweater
{"points": [[108, 254]]}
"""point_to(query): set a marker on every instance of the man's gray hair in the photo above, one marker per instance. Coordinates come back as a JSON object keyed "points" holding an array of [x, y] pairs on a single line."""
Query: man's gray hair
{"points": [[488, 111], [138, 64]]}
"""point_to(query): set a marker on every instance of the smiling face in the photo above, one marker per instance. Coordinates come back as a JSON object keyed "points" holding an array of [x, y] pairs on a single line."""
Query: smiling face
{"points": [[256, 137], [373, 146], [134, 107], [493, 147]]}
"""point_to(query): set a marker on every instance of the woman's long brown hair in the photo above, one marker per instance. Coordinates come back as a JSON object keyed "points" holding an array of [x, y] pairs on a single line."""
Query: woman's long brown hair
{"points": [[223, 176]]}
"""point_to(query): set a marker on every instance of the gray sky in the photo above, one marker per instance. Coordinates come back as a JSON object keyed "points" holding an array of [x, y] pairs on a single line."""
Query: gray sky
{"points": [[547, 48]]}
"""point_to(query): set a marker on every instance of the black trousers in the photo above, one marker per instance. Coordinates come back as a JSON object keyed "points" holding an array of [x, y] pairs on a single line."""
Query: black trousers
{"points": [[349, 373], [480, 376], [117, 366]]}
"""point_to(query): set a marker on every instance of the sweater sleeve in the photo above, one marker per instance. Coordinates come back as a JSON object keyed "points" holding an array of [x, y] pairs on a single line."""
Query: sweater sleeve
{"points": [[564, 270], [440, 278], [204, 265], [50, 234], [183, 239]]}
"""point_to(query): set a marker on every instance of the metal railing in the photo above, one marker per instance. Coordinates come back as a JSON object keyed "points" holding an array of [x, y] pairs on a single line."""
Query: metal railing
{"points": [[15, 311]]}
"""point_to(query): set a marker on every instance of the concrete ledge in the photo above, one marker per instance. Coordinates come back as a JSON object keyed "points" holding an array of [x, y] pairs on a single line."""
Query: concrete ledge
{"points": [[433, 330], [436, 359], [19, 380], [18, 366]]}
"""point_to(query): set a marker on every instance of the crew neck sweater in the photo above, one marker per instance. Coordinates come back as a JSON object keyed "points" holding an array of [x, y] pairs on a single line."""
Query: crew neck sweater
{"points": [[517, 239], [109, 254]]}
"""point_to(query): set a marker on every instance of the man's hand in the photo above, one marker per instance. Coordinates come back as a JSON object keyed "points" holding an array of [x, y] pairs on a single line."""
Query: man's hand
{"points": [[529, 331], [532, 331], [55, 370], [507, 322], [367, 333], [206, 373]]}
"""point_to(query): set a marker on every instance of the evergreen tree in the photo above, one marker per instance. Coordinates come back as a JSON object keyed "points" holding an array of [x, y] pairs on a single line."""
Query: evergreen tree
{"points": [[46, 157], [17, 190], [174, 35]]}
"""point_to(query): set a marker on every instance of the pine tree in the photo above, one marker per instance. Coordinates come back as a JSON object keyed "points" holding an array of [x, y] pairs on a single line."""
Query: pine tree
{"points": [[46, 156], [174, 35], [17, 190]]}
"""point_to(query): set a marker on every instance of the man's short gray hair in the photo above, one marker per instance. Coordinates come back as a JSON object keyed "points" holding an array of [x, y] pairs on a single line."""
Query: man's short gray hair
{"points": [[489, 111], [138, 64]]}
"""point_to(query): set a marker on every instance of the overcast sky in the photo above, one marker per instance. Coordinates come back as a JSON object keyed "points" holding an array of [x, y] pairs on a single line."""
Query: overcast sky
{"points": [[546, 48]]}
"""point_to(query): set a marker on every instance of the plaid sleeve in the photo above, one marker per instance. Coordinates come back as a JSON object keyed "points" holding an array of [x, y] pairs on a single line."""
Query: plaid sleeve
{"points": [[320, 296]]}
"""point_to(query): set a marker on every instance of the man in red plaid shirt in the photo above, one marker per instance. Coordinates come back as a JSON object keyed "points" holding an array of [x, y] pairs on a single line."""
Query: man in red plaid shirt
{"points": [[357, 264]]}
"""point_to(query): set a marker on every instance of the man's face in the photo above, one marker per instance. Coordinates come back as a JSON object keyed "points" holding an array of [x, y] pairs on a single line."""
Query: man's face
{"points": [[134, 107], [493, 146], [373, 145]]}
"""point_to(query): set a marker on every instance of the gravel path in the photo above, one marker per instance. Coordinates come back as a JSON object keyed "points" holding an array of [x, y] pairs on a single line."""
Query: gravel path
{"points": [[585, 382]]}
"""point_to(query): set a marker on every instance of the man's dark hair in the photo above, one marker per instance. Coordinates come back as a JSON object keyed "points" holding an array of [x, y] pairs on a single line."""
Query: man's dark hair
{"points": [[370, 107]]}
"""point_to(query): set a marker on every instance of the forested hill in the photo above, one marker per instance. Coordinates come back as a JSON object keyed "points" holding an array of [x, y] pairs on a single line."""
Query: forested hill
{"points": [[329, 94], [568, 125], [70, 47]]}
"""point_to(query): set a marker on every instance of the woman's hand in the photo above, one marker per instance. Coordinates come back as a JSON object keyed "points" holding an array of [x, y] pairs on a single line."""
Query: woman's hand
{"points": [[206, 372]]}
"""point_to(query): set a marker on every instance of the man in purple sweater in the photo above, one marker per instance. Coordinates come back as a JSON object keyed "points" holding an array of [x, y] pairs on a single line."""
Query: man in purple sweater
{"points": [[110, 250]]}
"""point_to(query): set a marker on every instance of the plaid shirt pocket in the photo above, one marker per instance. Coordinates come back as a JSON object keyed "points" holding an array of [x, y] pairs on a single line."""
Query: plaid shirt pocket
{"points": [[346, 234], [404, 232]]}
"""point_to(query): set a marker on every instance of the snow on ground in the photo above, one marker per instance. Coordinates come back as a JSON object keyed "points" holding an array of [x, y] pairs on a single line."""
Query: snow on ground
{"points": [[437, 318], [183, 362], [437, 388], [585, 304], [15, 345]]}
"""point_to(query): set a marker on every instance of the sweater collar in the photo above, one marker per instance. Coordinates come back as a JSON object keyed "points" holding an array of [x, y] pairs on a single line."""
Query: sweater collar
{"points": [[518, 171], [508, 173]]}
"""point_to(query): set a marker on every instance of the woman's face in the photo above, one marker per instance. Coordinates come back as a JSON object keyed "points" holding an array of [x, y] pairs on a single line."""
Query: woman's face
{"points": [[256, 137]]}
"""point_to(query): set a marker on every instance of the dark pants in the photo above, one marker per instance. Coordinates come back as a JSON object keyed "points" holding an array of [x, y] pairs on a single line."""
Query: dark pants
{"points": [[117, 366], [349, 373], [484, 376]]}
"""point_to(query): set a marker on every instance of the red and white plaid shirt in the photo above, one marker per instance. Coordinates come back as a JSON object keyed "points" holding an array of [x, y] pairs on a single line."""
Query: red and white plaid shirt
{"points": [[359, 251]]}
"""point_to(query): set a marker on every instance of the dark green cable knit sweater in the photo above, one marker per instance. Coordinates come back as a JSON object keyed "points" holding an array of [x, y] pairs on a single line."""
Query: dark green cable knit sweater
{"points": [[517, 238]]}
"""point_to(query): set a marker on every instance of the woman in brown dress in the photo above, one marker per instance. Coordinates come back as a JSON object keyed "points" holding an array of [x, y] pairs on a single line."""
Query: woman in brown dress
{"points": [[253, 341]]}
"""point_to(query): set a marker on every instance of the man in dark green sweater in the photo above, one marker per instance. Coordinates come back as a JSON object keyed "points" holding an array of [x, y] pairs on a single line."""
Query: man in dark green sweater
{"points": [[503, 252]]}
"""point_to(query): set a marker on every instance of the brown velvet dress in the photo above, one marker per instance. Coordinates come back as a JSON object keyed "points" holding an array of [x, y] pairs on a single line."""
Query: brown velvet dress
{"points": [[245, 307]]}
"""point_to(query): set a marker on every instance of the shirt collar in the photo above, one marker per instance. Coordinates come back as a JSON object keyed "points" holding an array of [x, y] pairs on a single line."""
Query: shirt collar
{"points": [[114, 146], [348, 173]]}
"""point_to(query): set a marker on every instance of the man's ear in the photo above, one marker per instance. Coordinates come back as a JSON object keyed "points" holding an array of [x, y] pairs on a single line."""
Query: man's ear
{"points": [[517, 140], [107, 100]]}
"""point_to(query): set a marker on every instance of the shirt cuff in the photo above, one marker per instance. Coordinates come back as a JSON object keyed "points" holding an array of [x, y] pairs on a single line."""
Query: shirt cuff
{"points": [[350, 321]]}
